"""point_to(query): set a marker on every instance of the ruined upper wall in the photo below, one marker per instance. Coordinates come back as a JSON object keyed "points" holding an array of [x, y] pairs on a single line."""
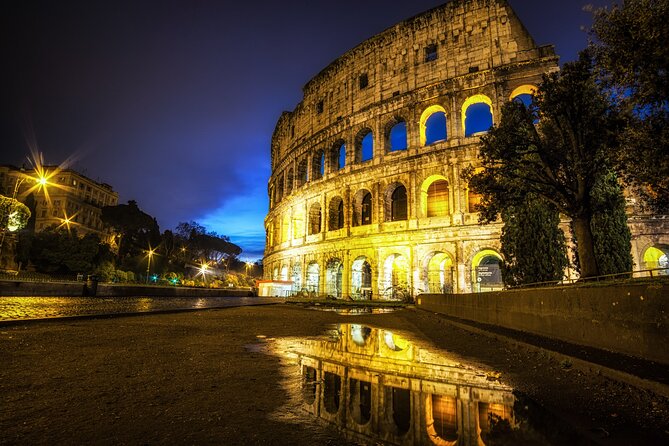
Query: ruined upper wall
{"points": [[468, 36]]}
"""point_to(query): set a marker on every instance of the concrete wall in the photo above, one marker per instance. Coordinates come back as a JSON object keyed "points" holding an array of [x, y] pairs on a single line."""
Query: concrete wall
{"points": [[629, 319], [18, 288]]}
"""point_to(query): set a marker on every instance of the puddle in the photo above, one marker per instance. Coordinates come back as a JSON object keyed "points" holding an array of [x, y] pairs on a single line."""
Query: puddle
{"points": [[378, 387], [353, 310]]}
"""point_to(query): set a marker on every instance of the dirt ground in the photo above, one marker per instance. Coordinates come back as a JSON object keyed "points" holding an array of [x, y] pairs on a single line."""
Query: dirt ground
{"points": [[195, 378]]}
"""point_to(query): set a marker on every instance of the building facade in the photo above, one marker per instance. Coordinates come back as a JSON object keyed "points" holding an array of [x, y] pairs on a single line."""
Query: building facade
{"points": [[70, 198], [366, 198]]}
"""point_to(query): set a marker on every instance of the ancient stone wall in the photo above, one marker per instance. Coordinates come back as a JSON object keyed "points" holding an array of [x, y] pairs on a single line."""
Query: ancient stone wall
{"points": [[358, 211]]}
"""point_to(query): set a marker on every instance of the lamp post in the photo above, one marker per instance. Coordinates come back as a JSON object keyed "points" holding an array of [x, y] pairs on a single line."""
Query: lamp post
{"points": [[150, 253]]}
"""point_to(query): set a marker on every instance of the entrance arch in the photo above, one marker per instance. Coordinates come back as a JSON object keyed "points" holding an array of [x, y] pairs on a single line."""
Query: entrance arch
{"points": [[395, 284], [439, 273], [486, 271], [361, 279], [333, 277], [313, 277], [296, 277], [656, 259]]}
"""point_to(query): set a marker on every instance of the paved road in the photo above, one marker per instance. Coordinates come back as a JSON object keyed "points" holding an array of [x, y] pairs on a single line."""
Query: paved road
{"points": [[24, 308]]}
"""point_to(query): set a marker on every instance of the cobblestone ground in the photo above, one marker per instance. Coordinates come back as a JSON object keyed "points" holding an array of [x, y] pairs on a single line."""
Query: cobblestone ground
{"points": [[23, 308]]}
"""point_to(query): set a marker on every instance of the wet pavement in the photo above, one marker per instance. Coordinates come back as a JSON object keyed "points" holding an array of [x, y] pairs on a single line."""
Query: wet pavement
{"points": [[26, 308]]}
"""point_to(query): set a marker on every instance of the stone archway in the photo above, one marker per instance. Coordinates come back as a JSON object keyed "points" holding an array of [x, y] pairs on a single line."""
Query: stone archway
{"points": [[486, 271], [313, 277], [395, 280], [439, 273], [656, 260], [361, 279], [333, 278]]}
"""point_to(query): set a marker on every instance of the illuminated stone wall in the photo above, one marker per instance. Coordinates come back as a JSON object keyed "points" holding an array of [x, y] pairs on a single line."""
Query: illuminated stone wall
{"points": [[338, 223]]}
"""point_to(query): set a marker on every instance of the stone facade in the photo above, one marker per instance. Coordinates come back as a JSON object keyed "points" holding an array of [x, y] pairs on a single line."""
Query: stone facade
{"points": [[395, 219]]}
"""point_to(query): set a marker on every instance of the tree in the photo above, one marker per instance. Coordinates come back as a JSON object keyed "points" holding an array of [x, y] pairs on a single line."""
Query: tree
{"points": [[14, 215], [560, 159], [137, 229], [533, 246], [632, 54], [206, 246], [57, 251]]}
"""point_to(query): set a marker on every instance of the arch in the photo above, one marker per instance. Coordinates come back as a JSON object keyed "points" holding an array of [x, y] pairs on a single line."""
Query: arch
{"points": [[439, 273], [335, 214], [315, 219], [275, 273], [432, 125], [318, 165], [313, 277], [434, 196], [657, 258], [296, 277], [302, 172], [396, 203], [361, 279], [309, 379], [331, 392], [442, 419], [360, 400], [477, 116], [486, 270], [364, 146], [529, 90], [396, 277], [284, 273], [400, 402], [362, 208], [396, 135], [279, 188], [333, 278], [285, 227], [339, 155], [360, 334], [298, 223], [290, 179]]}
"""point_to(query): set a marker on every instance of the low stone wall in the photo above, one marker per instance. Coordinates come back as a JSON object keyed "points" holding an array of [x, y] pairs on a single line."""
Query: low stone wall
{"points": [[19, 288], [629, 319]]}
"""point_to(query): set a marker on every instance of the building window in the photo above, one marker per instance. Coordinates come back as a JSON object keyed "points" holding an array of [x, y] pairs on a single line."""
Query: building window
{"points": [[398, 204], [319, 107], [362, 208], [431, 52], [398, 137], [363, 81], [315, 219], [364, 146], [336, 214], [437, 199], [435, 128], [318, 165]]}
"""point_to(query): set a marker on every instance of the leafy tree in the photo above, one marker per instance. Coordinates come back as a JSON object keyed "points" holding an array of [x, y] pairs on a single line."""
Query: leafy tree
{"points": [[533, 245], [137, 229], [14, 215], [560, 159], [631, 51], [206, 246], [60, 252], [611, 234]]}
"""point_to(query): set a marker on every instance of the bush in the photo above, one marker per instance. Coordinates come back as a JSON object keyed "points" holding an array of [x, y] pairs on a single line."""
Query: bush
{"points": [[105, 272], [120, 276], [130, 276]]}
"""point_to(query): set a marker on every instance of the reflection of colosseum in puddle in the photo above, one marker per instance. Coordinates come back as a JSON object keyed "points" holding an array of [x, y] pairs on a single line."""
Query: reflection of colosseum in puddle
{"points": [[375, 385], [366, 198]]}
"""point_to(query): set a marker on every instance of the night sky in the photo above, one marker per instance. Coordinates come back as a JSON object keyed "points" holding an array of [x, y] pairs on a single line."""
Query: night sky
{"points": [[173, 103]]}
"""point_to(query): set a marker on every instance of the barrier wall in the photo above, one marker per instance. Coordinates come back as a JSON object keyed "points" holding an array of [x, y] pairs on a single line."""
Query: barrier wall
{"points": [[18, 288], [629, 319]]}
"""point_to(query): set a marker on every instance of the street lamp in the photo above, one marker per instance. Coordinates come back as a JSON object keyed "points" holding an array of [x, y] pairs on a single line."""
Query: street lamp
{"points": [[203, 271], [149, 253]]}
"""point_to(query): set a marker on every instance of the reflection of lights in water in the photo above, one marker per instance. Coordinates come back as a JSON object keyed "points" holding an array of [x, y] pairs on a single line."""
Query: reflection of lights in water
{"points": [[418, 395], [144, 304], [200, 303]]}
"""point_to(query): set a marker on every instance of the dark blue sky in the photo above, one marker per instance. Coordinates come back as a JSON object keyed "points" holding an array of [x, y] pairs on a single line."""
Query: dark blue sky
{"points": [[173, 103]]}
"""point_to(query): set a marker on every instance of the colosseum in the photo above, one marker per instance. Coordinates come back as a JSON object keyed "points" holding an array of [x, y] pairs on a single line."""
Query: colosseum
{"points": [[366, 199]]}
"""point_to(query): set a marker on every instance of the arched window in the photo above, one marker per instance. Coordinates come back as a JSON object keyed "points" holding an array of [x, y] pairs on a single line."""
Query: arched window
{"points": [[302, 173], [437, 199], [318, 165], [435, 128], [398, 204], [478, 119], [315, 219], [279, 189], [524, 98], [341, 159], [289, 181], [336, 214], [398, 137], [473, 201], [364, 150], [362, 208], [476, 114]]}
